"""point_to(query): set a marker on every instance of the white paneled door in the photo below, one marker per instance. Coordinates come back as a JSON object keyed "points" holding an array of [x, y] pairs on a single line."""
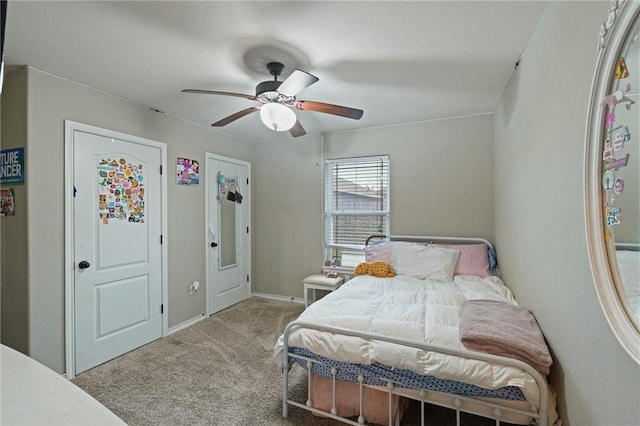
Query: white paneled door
{"points": [[228, 242], [117, 251]]}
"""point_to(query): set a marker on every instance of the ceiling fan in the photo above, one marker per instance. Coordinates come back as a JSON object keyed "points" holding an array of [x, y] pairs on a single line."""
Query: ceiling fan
{"points": [[278, 98]]}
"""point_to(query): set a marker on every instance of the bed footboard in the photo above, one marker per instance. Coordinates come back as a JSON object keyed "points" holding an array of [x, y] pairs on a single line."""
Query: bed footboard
{"points": [[488, 408]]}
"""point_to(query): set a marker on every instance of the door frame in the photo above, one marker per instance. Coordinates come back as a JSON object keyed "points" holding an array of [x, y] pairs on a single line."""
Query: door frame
{"points": [[207, 202], [69, 276]]}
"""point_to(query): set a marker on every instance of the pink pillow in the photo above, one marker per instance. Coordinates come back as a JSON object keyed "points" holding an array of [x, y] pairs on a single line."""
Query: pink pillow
{"points": [[473, 259], [378, 252]]}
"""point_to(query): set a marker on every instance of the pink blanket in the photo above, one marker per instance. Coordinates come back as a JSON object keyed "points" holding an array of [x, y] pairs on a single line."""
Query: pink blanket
{"points": [[503, 329]]}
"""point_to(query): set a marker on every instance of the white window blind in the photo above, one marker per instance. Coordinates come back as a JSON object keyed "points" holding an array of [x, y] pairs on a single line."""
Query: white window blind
{"points": [[356, 201]]}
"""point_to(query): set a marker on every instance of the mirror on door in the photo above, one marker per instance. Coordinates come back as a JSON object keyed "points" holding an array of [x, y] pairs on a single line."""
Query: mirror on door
{"points": [[227, 245], [227, 214]]}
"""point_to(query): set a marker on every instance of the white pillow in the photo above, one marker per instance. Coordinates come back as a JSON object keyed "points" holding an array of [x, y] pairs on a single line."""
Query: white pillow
{"points": [[424, 262]]}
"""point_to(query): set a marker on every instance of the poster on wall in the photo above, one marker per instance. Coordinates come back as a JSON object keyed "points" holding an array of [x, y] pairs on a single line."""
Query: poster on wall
{"points": [[188, 172], [6, 202], [121, 191], [12, 166]]}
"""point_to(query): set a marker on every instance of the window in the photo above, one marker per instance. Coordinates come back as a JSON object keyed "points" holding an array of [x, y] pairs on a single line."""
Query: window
{"points": [[356, 203]]}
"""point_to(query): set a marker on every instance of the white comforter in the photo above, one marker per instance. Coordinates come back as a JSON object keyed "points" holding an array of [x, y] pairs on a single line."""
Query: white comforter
{"points": [[412, 309]]}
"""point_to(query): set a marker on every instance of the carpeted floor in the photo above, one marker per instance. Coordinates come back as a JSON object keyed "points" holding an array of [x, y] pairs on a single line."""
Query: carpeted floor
{"points": [[220, 371]]}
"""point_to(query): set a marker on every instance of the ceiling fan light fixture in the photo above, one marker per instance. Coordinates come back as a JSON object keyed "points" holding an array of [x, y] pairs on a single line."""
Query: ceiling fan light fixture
{"points": [[277, 117]]}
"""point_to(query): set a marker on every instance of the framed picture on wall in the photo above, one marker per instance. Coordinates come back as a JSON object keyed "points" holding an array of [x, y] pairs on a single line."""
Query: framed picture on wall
{"points": [[187, 171]]}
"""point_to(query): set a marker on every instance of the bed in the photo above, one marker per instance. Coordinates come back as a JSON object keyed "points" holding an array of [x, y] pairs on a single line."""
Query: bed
{"points": [[628, 267], [377, 341]]}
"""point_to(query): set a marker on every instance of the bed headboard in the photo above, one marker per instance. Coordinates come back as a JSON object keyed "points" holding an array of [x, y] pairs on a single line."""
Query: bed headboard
{"points": [[628, 246], [440, 240], [425, 239]]}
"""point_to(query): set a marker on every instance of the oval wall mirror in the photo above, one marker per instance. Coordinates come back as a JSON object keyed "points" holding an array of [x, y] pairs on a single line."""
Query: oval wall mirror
{"points": [[612, 173]]}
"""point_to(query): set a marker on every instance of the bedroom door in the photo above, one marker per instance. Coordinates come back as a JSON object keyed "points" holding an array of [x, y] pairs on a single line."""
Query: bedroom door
{"points": [[117, 249], [228, 214]]}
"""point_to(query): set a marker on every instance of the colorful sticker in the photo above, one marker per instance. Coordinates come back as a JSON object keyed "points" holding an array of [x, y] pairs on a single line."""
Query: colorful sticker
{"points": [[620, 136], [6, 202], [607, 152], [621, 69], [615, 164], [609, 120], [607, 180], [614, 216], [618, 186], [120, 191]]}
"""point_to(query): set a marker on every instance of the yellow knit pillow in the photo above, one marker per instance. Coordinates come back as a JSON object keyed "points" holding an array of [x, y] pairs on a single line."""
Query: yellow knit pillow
{"points": [[377, 269], [362, 269], [381, 269]]}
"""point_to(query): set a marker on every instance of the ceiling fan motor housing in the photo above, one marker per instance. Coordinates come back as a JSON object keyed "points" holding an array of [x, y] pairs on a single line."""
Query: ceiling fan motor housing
{"points": [[267, 86], [267, 91]]}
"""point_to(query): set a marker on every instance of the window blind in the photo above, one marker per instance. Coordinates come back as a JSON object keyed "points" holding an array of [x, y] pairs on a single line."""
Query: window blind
{"points": [[356, 200]]}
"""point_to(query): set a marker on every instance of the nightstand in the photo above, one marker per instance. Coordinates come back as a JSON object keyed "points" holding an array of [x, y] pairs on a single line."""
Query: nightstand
{"points": [[320, 282], [345, 272]]}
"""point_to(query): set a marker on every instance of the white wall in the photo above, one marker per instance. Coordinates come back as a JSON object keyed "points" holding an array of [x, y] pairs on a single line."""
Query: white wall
{"points": [[539, 216]]}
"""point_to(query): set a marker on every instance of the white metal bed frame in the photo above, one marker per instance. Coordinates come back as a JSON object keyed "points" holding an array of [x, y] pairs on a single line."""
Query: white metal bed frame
{"points": [[459, 403]]}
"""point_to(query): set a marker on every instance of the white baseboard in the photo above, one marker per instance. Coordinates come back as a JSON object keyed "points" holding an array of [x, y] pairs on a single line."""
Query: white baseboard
{"points": [[278, 297], [186, 324]]}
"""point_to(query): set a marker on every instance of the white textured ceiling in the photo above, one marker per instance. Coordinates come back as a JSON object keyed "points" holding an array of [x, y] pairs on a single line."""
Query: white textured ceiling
{"points": [[400, 61]]}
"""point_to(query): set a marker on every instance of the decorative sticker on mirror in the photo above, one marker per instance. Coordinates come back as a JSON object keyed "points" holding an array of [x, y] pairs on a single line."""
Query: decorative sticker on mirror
{"points": [[607, 180], [616, 163], [120, 191], [621, 70], [615, 139], [607, 152], [618, 186], [613, 216]]}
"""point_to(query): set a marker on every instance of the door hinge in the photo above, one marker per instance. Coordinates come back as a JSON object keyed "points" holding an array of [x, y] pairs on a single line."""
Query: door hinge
{"points": [[160, 238], [247, 278], [247, 229], [247, 181], [162, 309], [161, 169]]}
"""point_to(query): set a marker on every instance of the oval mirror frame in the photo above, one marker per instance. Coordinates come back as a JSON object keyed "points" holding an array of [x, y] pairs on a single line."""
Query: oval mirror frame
{"points": [[613, 33]]}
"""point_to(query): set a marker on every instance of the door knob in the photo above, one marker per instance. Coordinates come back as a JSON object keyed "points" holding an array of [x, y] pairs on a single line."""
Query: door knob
{"points": [[83, 264], [214, 245]]}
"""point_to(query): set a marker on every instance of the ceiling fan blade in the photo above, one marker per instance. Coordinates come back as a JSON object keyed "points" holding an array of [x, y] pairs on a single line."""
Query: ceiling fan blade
{"points": [[342, 111], [297, 81], [233, 117], [214, 92], [297, 130]]}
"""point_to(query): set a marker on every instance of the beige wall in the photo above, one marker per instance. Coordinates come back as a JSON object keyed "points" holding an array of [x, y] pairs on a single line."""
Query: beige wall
{"points": [[441, 173], [441, 184], [287, 215], [13, 229], [52, 100], [539, 216]]}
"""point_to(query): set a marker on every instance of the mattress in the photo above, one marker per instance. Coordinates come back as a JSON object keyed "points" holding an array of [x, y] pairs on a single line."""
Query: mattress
{"points": [[408, 308], [377, 374]]}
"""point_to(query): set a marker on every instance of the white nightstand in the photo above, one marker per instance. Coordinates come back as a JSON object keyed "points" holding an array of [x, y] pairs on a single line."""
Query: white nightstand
{"points": [[320, 282], [345, 272]]}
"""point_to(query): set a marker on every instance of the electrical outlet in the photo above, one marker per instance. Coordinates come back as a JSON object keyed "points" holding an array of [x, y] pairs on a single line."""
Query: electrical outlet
{"points": [[194, 287]]}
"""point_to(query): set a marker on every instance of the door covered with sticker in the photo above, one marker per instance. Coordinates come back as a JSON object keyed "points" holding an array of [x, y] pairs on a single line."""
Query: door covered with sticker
{"points": [[117, 247], [121, 190]]}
